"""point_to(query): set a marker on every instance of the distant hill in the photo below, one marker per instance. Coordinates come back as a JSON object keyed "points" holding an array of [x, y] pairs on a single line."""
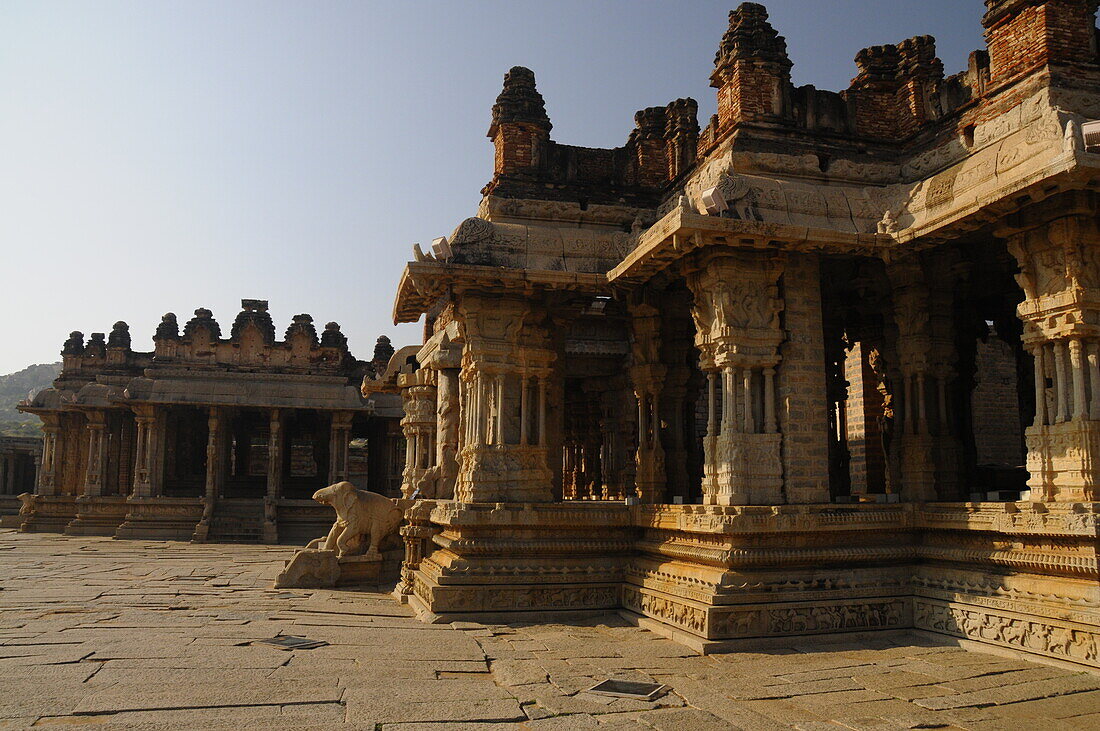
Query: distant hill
{"points": [[17, 386]]}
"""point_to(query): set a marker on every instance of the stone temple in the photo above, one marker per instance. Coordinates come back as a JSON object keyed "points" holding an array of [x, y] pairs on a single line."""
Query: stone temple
{"points": [[211, 438], [809, 343], [828, 363]]}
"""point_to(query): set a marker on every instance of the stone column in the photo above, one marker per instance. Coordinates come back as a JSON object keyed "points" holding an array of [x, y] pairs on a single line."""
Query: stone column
{"points": [[276, 443], [919, 353], [542, 410], [47, 471], [505, 339], [736, 313], [1054, 243], [770, 426], [97, 453], [1077, 367], [419, 395], [214, 471], [1060, 390], [447, 432], [1094, 381], [339, 439], [147, 481], [648, 374], [1041, 386], [215, 453]]}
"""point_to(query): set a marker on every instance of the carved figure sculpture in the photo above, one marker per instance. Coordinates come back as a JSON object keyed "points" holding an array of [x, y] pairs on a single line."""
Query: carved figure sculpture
{"points": [[888, 224], [26, 507], [740, 197], [1071, 138], [359, 514]]}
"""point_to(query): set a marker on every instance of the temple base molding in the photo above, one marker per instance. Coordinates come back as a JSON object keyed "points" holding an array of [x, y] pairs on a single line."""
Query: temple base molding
{"points": [[161, 518], [51, 514], [97, 516], [1017, 576], [492, 560]]}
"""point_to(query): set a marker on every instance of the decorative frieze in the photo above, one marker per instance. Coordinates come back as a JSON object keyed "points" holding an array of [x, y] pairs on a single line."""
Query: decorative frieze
{"points": [[677, 613], [450, 599], [1052, 638]]}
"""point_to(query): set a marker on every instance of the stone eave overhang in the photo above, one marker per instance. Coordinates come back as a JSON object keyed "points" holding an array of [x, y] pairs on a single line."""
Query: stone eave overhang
{"points": [[424, 282], [682, 231], [36, 410], [21, 444], [1064, 172], [248, 390]]}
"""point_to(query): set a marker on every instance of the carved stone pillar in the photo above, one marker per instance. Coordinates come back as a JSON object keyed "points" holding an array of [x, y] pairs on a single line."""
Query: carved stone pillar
{"points": [[916, 445], [648, 375], [677, 349], [47, 472], [417, 534], [148, 471], [214, 451], [276, 443], [443, 356], [418, 392], [339, 439], [97, 453], [1056, 244], [737, 331], [506, 351]]}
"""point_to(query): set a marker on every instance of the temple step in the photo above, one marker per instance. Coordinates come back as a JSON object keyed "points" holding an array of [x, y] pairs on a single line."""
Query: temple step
{"points": [[237, 522]]}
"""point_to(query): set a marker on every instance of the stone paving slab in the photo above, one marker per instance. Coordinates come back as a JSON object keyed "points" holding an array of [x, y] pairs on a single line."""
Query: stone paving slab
{"points": [[157, 635]]}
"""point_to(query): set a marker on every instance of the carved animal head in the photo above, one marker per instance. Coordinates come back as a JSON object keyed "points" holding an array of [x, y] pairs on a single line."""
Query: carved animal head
{"points": [[27, 506], [340, 496]]}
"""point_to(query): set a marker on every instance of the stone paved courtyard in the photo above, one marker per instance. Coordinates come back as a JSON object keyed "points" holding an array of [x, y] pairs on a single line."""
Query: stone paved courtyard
{"points": [[132, 634]]}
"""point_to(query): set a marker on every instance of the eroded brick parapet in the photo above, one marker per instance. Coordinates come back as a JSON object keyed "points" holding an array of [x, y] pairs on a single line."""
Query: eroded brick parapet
{"points": [[1025, 34], [751, 69]]}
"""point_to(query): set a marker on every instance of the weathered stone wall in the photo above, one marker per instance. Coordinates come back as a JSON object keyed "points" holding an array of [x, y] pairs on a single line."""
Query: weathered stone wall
{"points": [[801, 384]]}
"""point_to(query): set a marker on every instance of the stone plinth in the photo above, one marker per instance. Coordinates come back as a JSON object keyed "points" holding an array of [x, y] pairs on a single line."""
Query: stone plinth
{"points": [[319, 569], [51, 513], [163, 518], [300, 521], [530, 560], [709, 574], [371, 570], [9, 511], [98, 516], [309, 569], [1021, 576], [1060, 459]]}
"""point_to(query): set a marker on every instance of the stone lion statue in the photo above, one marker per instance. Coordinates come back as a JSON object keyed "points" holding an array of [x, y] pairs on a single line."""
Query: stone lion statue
{"points": [[359, 514]]}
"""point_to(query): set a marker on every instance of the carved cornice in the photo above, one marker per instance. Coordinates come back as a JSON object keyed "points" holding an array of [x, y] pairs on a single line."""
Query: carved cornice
{"points": [[681, 232], [423, 283], [531, 515]]}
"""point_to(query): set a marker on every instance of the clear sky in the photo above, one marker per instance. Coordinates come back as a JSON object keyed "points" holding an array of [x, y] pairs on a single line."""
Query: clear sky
{"points": [[162, 156]]}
